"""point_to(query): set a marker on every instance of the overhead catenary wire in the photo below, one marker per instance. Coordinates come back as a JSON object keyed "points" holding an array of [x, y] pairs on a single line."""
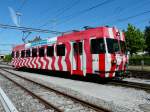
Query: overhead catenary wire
{"points": [[29, 29], [77, 14], [62, 11], [22, 5], [133, 16]]}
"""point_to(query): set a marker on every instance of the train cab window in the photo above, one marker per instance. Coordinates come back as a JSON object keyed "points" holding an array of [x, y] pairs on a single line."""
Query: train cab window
{"points": [[27, 53], [60, 50], [97, 46], [112, 45], [77, 48], [17, 54], [50, 51], [34, 52], [41, 52], [23, 54], [12, 54]]}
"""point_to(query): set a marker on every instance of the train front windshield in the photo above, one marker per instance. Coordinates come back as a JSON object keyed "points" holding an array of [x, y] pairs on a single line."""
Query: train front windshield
{"points": [[98, 46], [114, 47]]}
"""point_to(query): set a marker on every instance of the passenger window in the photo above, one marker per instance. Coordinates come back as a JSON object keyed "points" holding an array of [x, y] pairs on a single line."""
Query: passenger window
{"points": [[27, 53], [97, 46], [23, 54], [17, 54], [61, 50], [12, 54], [50, 51], [77, 48], [41, 52], [34, 52]]}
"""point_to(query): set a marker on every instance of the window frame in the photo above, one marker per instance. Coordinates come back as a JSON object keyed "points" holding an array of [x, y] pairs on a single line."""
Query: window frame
{"points": [[40, 52], [92, 49], [79, 45], [50, 52], [110, 46], [28, 55], [33, 51], [60, 50], [17, 54], [22, 55], [13, 54]]}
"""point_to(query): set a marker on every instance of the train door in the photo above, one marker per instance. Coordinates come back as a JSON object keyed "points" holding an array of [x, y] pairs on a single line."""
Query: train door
{"points": [[78, 57]]}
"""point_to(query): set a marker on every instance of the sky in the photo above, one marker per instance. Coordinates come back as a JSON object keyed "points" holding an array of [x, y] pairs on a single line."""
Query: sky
{"points": [[67, 15]]}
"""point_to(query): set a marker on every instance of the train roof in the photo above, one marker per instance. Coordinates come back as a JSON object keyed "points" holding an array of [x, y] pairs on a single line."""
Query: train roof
{"points": [[75, 35]]}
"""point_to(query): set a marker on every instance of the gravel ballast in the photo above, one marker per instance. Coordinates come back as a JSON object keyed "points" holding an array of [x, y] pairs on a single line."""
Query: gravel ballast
{"points": [[1, 108], [21, 99], [62, 102], [117, 99]]}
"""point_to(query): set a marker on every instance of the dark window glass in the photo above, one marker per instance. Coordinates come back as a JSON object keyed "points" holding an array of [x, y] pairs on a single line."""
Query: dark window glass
{"points": [[41, 52], [97, 46], [112, 45], [17, 54], [12, 54], [23, 54], [27, 53], [77, 48], [123, 46], [61, 50], [50, 51], [34, 52]]}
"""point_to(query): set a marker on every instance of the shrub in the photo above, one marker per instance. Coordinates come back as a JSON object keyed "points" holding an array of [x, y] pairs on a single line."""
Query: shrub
{"points": [[136, 60]]}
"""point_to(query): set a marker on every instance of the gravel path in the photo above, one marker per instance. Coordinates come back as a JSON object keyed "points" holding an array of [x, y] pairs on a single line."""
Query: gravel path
{"points": [[22, 101], [64, 103]]}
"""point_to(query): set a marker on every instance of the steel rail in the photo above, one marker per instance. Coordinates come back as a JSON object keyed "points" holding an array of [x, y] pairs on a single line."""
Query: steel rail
{"points": [[87, 104], [135, 85], [43, 101], [6, 102]]}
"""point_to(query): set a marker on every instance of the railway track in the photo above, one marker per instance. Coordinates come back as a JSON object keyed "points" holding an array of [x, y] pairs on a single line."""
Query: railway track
{"points": [[48, 106], [5, 104], [141, 86], [50, 97]]}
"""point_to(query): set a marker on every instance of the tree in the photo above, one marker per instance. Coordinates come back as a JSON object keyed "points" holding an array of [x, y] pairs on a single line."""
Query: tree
{"points": [[7, 58], [134, 39], [147, 38]]}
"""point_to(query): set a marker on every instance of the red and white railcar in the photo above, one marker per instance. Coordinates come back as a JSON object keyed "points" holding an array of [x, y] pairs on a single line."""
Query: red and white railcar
{"points": [[99, 51]]}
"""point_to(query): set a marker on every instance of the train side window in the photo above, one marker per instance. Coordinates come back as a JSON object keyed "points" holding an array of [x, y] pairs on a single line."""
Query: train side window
{"points": [[12, 54], [77, 48], [17, 54], [22, 53], [41, 52], [50, 51], [97, 46], [60, 50], [27, 53], [34, 52]]}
